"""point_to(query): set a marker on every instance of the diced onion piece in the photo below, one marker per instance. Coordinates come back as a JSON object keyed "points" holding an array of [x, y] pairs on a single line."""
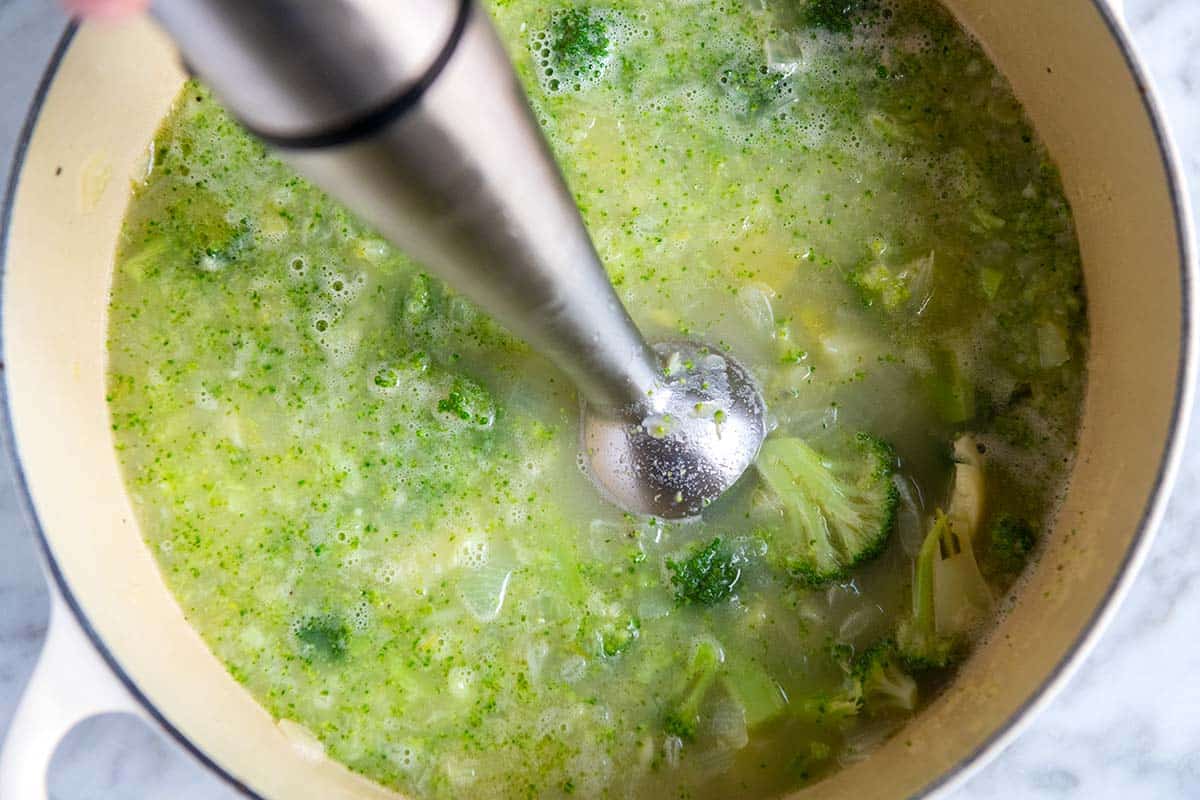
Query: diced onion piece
{"points": [[1052, 346]]}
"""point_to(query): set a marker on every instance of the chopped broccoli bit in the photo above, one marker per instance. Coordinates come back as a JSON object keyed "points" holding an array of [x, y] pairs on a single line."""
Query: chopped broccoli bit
{"points": [[237, 239], [387, 378], [752, 87], [879, 283], [707, 576], [615, 638], [950, 598], [837, 511], [893, 287], [214, 241], [885, 684], [835, 16], [578, 36], [419, 303], [327, 635], [574, 49], [1012, 539], [469, 402], [684, 716]]}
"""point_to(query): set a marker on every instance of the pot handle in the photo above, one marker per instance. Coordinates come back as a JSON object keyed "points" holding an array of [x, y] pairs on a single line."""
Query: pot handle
{"points": [[70, 683]]}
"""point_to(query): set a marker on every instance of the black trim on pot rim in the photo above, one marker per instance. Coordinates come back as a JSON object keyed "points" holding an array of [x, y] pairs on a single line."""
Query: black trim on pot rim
{"points": [[998, 739]]}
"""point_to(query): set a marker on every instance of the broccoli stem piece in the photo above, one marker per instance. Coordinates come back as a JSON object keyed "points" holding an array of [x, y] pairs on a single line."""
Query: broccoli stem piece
{"points": [[917, 637], [707, 576], [950, 598], [1011, 540], [961, 596], [469, 402], [684, 717], [837, 511], [327, 636]]}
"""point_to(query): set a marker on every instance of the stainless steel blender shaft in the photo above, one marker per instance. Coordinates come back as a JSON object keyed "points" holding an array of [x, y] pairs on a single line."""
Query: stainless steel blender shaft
{"points": [[410, 112]]}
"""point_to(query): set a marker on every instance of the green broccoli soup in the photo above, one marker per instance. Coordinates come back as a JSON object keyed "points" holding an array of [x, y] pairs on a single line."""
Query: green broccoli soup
{"points": [[366, 494]]}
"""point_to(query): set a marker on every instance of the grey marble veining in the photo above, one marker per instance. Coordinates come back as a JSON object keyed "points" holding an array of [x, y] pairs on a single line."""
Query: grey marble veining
{"points": [[1127, 726]]}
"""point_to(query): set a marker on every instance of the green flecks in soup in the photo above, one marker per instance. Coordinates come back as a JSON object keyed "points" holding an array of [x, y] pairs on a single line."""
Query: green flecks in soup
{"points": [[365, 493]]}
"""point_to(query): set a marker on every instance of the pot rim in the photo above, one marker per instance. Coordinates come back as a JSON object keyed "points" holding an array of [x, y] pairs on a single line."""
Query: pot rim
{"points": [[999, 739]]}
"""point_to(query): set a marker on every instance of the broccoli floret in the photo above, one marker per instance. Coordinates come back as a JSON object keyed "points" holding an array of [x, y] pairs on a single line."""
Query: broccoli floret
{"points": [[226, 246], [388, 375], [838, 512], [327, 635], [469, 402], [752, 87], [573, 49], [812, 760], [835, 705], [420, 304], [831, 708], [707, 576], [202, 225], [885, 684], [950, 598], [1012, 539], [684, 716]]}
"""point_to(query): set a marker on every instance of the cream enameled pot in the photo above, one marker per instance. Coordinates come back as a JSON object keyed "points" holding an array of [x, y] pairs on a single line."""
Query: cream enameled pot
{"points": [[118, 640]]}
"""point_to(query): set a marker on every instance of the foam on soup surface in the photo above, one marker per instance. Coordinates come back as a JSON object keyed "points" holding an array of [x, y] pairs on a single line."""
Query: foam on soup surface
{"points": [[366, 495]]}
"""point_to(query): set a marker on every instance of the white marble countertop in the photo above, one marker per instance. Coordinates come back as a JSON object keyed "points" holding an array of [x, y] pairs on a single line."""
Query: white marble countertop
{"points": [[1127, 726]]}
